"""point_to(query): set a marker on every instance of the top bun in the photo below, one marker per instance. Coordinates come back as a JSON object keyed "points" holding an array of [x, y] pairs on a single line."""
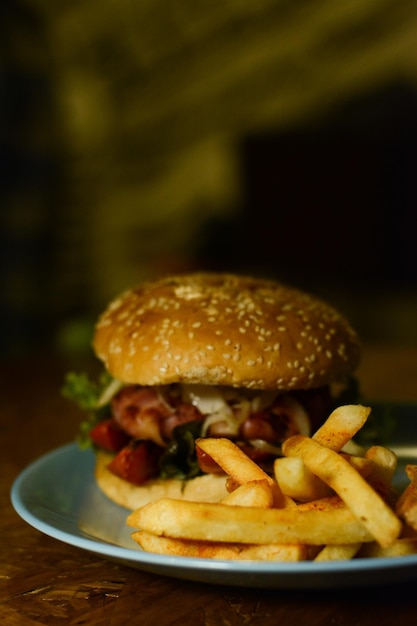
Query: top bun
{"points": [[225, 329]]}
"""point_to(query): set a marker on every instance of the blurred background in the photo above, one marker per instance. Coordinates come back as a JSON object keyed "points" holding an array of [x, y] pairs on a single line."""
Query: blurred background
{"points": [[141, 138]]}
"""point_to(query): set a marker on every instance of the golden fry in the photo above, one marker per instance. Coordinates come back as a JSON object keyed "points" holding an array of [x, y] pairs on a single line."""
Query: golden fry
{"points": [[399, 547], [406, 506], [342, 425], [217, 550], [384, 464], [297, 482], [257, 493], [367, 506], [338, 552], [219, 522]]}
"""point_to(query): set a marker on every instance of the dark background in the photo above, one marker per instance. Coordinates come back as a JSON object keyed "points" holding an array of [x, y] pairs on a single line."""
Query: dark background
{"points": [[273, 138]]}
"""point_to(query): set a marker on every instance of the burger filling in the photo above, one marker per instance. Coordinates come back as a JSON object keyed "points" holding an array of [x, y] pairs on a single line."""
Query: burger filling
{"points": [[151, 431]]}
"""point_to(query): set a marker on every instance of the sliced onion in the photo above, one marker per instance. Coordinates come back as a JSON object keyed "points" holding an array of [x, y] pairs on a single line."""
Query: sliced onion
{"points": [[263, 445], [211, 402], [263, 400], [107, 394], [208, 399]]}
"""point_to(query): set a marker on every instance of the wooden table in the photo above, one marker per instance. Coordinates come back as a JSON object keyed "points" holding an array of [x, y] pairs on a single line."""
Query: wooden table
{"points": [[44, 581]]}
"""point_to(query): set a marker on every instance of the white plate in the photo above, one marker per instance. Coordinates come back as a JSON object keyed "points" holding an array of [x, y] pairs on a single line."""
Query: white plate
{"points": [[57, 495]]}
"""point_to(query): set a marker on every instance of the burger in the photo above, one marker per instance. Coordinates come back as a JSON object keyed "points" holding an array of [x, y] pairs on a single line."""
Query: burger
{"points": [[208, 355]]}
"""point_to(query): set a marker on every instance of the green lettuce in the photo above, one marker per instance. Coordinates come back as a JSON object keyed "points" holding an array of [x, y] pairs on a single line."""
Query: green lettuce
{"points": [[88, 395]]}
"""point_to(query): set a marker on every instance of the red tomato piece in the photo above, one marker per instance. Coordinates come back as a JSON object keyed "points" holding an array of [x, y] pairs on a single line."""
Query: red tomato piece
{"points": [[137, 462], [109, 436]]}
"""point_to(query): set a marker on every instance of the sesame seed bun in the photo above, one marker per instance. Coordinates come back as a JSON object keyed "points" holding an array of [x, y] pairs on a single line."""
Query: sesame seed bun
{"points": [[225, 329]]}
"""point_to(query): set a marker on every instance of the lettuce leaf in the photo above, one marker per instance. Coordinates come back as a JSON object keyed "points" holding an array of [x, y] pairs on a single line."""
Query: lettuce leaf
{"points": [[180, 459], [87, 394]]}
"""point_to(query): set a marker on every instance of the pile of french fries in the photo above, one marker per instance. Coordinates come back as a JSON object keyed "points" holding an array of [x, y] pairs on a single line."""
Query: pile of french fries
{"points": [[327, 500]]}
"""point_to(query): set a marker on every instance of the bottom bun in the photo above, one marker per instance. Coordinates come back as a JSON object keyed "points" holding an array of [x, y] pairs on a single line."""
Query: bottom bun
{"points": [[206, 488]]}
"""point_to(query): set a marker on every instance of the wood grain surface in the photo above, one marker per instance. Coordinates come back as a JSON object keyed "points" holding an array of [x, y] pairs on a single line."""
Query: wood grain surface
{"points": [[44, 581]]}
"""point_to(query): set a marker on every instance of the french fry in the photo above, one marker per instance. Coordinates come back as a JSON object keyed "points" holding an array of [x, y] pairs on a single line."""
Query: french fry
{"points": [[406, 506], [275, 552], [297, 482], [323, 504], [400, 547], [238, 465], [384, 464], [363, 466], [217, 550], [367, 506], [256, 493], [342, 425], [218, 522], [338, 552], [411, 471]]}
